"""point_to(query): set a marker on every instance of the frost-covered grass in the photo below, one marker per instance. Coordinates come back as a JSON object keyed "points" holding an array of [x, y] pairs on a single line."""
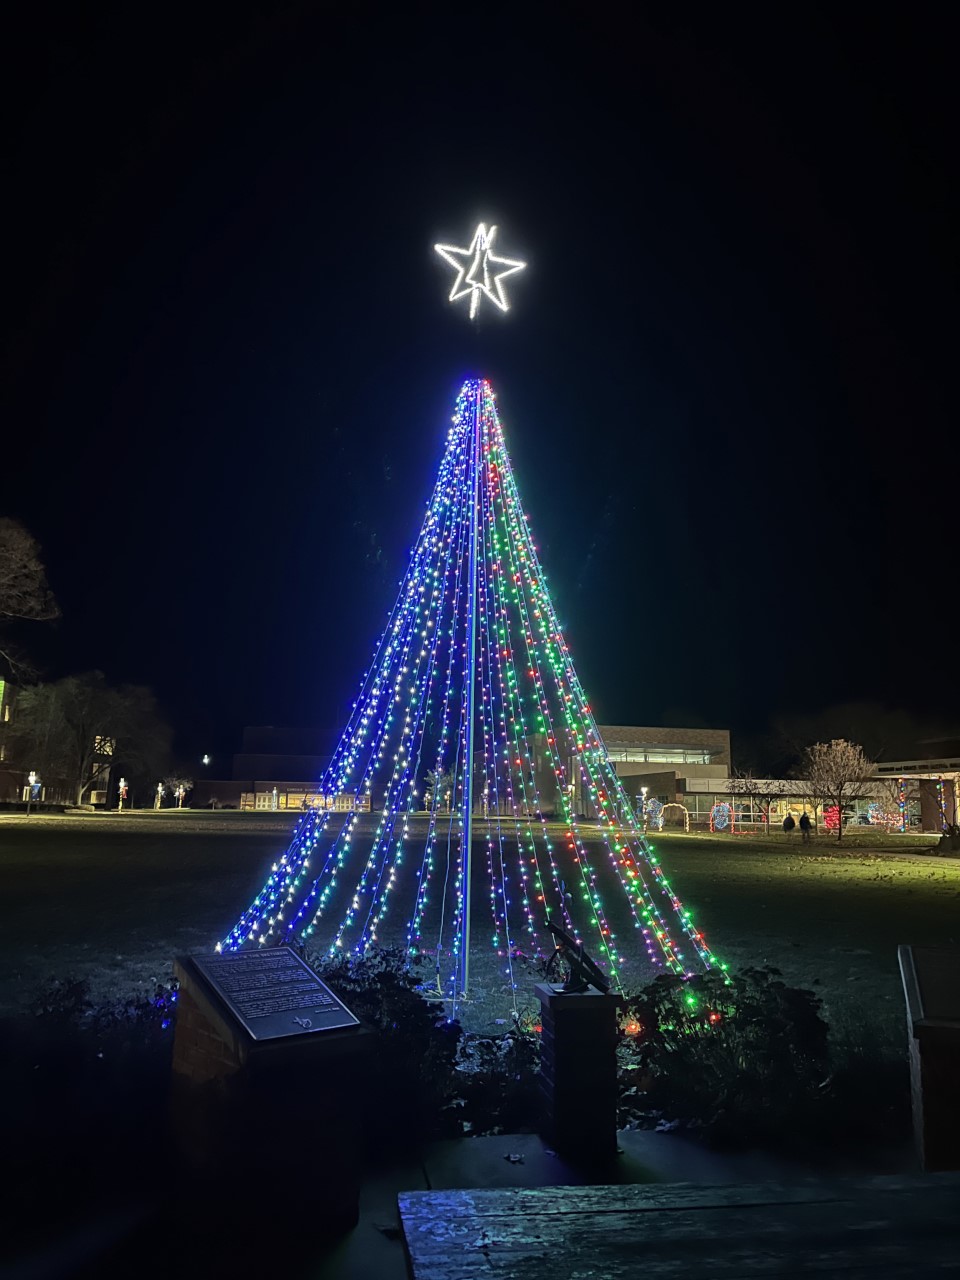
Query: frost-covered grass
{"points": [[113, 898]]}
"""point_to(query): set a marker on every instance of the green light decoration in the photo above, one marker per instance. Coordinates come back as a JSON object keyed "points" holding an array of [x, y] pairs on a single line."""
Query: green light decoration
{"points": [[473, 680]]}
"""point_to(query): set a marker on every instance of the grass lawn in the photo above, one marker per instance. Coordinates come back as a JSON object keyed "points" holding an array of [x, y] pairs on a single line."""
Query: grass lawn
{"points": [[114, 897]]}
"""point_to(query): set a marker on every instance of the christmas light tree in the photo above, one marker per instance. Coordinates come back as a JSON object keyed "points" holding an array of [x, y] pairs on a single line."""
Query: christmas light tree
{"points": [[472, 759]]}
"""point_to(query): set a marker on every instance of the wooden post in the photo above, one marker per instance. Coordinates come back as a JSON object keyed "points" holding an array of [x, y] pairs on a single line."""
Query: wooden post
{"points": [[578, 1072], [930, 977]]}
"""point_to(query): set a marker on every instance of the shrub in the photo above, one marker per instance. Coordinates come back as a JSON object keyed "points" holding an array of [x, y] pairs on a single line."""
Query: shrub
{"points": [[412, 1072], [498, 1088], [90, 1086], [743, 1058]]}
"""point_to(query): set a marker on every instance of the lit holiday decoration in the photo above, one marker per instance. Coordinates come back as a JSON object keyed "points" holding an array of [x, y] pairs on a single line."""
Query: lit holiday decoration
{"points": [[459, 787], [902, 803], [655, 814], [479, 270], [721, 817], [831, 817]]}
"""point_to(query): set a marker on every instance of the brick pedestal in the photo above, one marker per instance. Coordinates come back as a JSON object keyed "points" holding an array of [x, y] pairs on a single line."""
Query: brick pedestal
{"points": [[578, 1072], [265, 1131], [930, 982]]}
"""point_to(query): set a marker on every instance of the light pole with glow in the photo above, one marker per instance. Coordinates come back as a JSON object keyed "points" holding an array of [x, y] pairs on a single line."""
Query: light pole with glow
{"points": [[480, 274]]}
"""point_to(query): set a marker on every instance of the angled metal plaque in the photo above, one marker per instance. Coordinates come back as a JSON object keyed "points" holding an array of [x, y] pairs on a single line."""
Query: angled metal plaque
{"points": [[273, 993]]}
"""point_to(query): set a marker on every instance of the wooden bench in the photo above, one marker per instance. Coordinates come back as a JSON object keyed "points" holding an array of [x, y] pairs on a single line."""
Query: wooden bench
{"points": [[852, 1228]]}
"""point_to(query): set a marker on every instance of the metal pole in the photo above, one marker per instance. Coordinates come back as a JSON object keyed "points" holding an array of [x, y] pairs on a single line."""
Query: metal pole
{"points": [[471, 695]]}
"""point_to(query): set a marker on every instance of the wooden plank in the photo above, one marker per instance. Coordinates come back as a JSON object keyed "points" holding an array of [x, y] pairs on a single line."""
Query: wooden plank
{"points": [[881, 1227], [645, 1196]]}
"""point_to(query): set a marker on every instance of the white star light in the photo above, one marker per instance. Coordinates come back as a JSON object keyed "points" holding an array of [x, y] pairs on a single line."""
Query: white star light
{"points": [[477, 270]]}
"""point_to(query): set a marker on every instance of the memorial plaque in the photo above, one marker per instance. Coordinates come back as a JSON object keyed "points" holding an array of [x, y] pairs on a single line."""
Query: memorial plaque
{"points": [[274, 993]]}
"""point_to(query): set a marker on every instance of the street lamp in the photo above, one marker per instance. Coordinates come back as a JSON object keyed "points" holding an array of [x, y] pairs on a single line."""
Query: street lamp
{"points": [[643, 805], [207, 759], [33, 791]]}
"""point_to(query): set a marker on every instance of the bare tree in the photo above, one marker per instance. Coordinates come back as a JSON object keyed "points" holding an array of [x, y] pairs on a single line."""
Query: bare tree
{"points": [[179, 786], [25, 595], [74, 730], [438, 787], [839, 772]]}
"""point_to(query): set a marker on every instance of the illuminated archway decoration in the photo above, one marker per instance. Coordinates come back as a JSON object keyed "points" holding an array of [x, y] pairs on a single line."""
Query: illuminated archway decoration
{"points": [[682, 807], [480, 272], [472, 680], [721, 817]]}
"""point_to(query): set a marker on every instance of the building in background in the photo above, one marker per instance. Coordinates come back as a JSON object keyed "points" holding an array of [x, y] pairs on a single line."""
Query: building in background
{"points": [[276, 768], [280, 768]]}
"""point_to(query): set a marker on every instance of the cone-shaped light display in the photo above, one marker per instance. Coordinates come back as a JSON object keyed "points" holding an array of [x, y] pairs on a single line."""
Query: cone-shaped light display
{"points": [[471, 734]]}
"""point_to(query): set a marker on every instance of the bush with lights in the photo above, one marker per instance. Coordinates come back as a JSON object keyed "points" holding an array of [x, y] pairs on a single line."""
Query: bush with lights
{"points": [[742, 1057]]}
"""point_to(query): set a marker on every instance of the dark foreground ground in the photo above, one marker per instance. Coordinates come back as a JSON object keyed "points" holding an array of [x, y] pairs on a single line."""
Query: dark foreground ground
{"points": [[113, 899]]}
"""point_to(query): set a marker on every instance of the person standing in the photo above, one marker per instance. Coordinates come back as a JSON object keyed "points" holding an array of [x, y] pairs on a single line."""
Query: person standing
{"points": [[788, 824], [805, 827]]}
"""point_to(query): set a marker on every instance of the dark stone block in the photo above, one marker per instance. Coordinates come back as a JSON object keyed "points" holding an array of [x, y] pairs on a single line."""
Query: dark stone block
{"points": [[282, 1109], [578, 1072]]}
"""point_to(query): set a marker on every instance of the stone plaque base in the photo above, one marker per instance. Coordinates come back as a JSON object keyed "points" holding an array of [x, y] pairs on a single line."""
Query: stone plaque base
{"points": [[265, 1130], [578, 1072]]}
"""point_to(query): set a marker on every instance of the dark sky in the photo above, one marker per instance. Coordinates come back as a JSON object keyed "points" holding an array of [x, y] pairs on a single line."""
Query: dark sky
{"points": [[228, 364]]}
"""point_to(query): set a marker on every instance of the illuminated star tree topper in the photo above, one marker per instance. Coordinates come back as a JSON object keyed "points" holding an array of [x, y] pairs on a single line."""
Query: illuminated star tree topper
{"points": [[479, 270]]}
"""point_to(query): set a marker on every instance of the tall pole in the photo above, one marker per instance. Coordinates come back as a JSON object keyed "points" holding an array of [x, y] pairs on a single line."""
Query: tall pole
{"points": [[471, 692]]}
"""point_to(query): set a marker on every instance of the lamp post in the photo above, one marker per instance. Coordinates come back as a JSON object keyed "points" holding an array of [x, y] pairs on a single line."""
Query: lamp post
{"points": [[33, 788], [123, 794], [643, 806]]}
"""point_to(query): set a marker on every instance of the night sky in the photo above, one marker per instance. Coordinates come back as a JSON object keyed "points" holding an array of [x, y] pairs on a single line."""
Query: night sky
{"points": [[228, 363]]}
